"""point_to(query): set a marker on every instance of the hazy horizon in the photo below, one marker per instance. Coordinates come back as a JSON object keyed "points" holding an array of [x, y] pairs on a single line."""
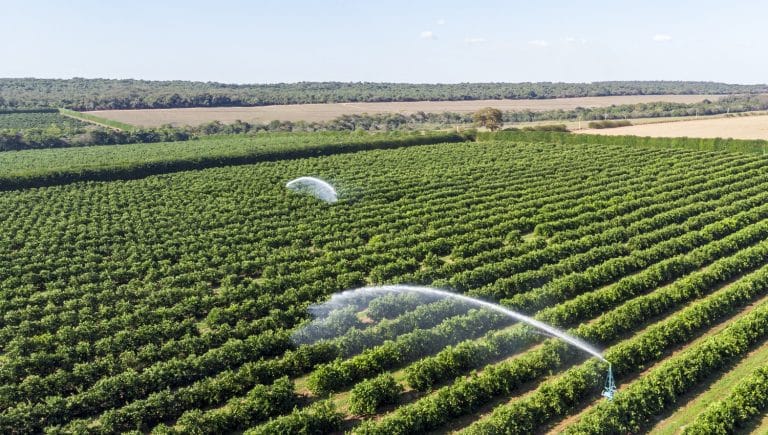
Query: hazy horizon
{"points": [[241, 42], [363, 81]]}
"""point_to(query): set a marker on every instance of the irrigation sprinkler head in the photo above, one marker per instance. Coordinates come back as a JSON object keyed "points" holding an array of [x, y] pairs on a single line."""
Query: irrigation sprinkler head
{"points": [[610, 385]]}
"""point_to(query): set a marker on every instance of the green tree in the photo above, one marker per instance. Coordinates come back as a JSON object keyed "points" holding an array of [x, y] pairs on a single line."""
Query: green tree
{"points": [[489, 118]]}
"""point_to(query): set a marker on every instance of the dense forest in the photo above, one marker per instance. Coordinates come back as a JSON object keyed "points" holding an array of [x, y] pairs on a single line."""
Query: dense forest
{"points": [[93, 94]]}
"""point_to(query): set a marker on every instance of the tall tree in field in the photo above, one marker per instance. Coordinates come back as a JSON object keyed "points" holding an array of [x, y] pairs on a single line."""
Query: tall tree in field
{"points": [[489, 118]]}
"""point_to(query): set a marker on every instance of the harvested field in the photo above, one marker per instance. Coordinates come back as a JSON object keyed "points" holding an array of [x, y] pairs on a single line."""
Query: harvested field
{"points": [[737, 127], [327, 112]]}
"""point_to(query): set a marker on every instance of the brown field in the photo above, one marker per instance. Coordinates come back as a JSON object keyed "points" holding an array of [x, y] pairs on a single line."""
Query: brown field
{"points": [[737, 127], [327, 112]]}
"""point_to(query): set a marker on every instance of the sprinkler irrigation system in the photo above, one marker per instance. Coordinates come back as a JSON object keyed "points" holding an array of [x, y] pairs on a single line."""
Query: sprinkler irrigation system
{"points": [[315, 187], [353, 298], [610, 385]]}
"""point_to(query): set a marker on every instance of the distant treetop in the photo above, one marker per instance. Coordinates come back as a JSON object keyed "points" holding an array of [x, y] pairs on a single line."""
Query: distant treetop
{"points": [[94, 94]]}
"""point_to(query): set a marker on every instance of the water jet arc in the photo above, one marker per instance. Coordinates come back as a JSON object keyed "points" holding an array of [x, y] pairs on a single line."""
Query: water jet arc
{"points": [[478, 303], [318, 188]]}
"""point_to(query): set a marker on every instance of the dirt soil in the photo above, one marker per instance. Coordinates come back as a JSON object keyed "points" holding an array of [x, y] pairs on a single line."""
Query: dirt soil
{"points": [[737, 127], [327, 112]]}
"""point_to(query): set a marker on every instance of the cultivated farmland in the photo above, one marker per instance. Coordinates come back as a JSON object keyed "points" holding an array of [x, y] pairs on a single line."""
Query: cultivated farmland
{"points": [[167, 303], [36, 119], [737, 127], [327, 112]]}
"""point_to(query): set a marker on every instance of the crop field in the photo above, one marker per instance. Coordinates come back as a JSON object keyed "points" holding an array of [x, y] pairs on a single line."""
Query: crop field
{"points": [[737, 127], [168, 303], [26, 120], [330, 111], [39, 167]]}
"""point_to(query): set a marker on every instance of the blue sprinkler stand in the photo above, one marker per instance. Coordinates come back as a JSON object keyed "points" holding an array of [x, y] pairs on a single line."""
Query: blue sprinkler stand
{"points": [[610, 385]]}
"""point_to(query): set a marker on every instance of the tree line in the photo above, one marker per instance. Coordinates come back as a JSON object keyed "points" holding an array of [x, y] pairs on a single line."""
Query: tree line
{"points": [[93, 94], [64, 135]]}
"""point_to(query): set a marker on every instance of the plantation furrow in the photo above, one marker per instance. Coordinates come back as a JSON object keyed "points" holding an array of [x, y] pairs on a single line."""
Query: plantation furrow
{"points": [[659, 194], [85, 375], [534, 188], [583, 408], [454, 360], [587, 405], [130, 304], [745, 237], [115, 390], [679, 374], [454, 265], [756, 426], [663, 206], [722, 385], [405, 348], [162, 403], [561, 395], [600, 192], [671, 353], [734, 412], [318, 418], [471, 354], [656, 224], [201, 394], [260, 404], [503, 378], [662, 271], [603, 192], [325, 348], [263, 322]]}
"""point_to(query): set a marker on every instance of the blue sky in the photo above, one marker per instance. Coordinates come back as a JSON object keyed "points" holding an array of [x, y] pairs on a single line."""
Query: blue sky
{"points": [[267, 41]]}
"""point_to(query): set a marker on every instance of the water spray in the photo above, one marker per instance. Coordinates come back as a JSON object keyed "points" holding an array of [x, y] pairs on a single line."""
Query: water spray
{"points": [[314, 186], [483, 304], [348, 297]]}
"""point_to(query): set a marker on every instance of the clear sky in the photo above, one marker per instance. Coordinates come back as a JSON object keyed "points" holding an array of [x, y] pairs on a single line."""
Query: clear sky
{"points": [[266, 41]]}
